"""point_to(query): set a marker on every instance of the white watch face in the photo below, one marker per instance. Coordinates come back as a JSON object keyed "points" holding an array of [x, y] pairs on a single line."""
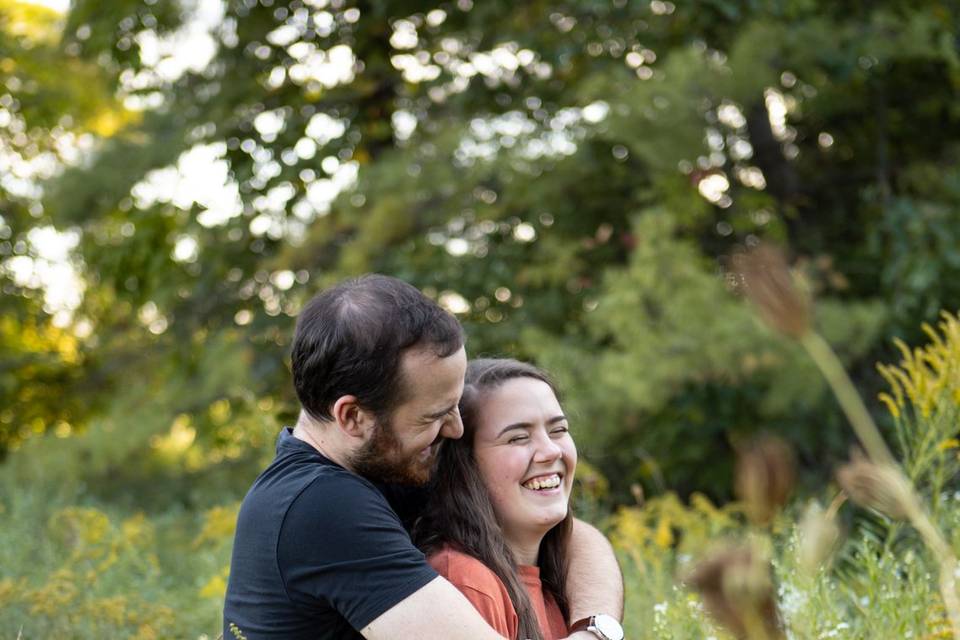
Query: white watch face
{"points": [[608, 626]]}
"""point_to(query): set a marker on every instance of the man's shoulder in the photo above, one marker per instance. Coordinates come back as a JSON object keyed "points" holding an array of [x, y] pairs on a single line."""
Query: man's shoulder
{"points": [[335, 485], [294, 474], [342, 509], [306, 493]]}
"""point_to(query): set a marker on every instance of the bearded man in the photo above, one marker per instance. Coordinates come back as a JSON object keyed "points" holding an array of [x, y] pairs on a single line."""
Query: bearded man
{"points": [[321, 547]]}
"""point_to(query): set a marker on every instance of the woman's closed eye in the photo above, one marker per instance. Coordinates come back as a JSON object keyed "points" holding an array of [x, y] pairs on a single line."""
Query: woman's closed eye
{"points": [[518, 438]]}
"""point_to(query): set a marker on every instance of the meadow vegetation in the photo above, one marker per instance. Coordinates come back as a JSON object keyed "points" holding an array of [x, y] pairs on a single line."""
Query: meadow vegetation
{"points": [[83, 568]]}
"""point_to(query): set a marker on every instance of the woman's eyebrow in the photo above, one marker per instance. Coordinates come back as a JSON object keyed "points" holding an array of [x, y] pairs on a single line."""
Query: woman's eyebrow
{"points": [[515, 425], [527, 425]]}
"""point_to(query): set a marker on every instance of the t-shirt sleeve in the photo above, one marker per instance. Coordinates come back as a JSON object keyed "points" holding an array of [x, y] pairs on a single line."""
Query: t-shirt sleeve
{"points": [[481, 587], [341, 545]]}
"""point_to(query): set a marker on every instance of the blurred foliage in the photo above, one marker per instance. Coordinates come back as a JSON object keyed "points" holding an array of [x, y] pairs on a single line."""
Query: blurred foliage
{"points": [[93, 572], [570, 177]]}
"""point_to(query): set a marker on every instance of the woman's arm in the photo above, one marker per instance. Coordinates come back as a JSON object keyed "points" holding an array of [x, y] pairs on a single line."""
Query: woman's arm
{"points": [[594, 581]]}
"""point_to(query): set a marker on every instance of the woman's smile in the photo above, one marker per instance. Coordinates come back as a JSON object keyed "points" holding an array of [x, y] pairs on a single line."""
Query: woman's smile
{"points": [[544, 483]]}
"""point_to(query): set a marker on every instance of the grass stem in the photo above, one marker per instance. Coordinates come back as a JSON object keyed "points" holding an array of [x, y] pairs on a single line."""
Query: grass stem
{"points": [[866, 431]]}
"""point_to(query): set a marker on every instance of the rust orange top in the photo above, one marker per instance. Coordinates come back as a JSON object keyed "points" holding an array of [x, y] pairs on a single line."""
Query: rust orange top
{"points": [[489, 596]]}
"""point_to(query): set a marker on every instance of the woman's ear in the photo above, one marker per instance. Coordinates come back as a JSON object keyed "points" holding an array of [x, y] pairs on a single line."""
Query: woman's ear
{"points": [[351, 418]]}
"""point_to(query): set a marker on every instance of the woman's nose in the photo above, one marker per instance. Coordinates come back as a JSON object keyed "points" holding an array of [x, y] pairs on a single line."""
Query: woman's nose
{"points": [[547, 449]]}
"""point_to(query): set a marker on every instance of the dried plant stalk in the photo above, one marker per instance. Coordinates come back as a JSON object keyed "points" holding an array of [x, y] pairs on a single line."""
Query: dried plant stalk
{"points": [[879, 487], [765, 475], [734, 583], [819, 534], [769, 284]]}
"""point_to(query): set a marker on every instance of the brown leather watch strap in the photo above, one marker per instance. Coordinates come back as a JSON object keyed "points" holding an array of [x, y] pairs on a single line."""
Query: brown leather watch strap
{"points": [[581, 624]]}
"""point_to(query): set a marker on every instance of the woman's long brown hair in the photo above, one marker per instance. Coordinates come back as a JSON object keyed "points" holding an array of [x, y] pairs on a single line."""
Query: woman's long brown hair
{"points": [[459, 512]]}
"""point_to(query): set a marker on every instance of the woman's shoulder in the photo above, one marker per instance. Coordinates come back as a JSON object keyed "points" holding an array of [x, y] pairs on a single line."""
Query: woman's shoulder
{"points": [[480, 585], [462, 569]]}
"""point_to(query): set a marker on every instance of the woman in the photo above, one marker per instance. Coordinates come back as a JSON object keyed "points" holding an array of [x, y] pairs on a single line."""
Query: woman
{"points": [[498, 521]]}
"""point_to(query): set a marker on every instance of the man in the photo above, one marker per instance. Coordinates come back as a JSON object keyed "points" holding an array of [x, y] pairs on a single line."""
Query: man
{"points": [[321, 550]]}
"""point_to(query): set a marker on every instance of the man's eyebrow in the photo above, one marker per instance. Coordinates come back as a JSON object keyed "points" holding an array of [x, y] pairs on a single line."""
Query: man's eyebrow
{"points": [[527, 425]]}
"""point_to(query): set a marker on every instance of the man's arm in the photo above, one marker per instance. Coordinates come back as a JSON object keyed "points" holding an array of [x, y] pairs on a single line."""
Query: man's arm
{"points": [[437, 611], [594, 581]]}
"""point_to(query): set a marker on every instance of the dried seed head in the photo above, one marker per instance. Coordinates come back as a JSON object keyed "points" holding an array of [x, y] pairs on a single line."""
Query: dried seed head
{"points": [[878, 486], [819, 533], [737, 591], [768, 283], [637, 491], [764, 478]]}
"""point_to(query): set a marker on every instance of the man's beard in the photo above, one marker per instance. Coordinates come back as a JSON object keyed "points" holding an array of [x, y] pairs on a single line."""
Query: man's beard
{"points": [[379, 459]]}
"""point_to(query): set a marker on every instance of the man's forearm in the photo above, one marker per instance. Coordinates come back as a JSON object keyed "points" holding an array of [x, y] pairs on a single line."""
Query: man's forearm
{"points": [[594, 580]]}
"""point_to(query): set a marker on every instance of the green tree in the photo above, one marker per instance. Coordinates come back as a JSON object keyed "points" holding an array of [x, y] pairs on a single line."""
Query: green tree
{"points": [[52, 103], [571, 177]]}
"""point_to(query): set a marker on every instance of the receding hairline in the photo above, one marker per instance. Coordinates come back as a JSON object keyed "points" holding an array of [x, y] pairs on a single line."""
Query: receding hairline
{"points": [[421, 350]]}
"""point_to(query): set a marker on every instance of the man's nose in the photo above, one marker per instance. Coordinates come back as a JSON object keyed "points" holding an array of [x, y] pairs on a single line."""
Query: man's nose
{"points": [[452, 426]]}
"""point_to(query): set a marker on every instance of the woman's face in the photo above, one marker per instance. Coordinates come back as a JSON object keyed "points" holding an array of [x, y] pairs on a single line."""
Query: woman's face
{"points": [[526, 457]]}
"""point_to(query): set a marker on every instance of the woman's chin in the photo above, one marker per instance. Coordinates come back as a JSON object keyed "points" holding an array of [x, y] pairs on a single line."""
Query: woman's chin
{"points": [[549, 520]]}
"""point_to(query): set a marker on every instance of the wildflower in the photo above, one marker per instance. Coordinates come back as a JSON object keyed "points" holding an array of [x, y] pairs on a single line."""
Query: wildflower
{"points": [[890, 403], [768, 283], [219, 523], [818, 533], [736, 589], [235, 630], [881, 487], [764, 478], [216, 587], [949, 443], [663, 537], [926, 377]]}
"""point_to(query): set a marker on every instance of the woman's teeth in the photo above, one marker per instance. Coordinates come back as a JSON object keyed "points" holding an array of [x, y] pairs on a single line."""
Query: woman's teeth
{"points": [[546, 482]]}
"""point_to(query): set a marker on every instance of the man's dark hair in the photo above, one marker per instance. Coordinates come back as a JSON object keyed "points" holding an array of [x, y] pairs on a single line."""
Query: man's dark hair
{"points": [[350, 339]]}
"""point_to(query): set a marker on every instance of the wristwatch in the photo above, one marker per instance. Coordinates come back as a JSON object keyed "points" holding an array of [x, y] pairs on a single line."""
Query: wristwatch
{"points": [[601, 625]]}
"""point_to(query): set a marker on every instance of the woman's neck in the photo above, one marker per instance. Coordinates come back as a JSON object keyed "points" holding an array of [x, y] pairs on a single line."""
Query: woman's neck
{"points": [[526, 549]]}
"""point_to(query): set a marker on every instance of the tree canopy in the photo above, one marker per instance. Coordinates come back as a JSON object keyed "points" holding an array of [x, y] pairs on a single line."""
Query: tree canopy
{"points": [[570, 178]]}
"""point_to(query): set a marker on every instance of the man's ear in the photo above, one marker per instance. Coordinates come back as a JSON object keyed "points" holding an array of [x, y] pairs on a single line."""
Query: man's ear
{"points": [[351, 418]]}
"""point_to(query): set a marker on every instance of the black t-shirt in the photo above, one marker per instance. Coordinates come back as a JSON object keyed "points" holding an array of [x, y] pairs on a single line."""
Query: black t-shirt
{"points": [[319, 551]]}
